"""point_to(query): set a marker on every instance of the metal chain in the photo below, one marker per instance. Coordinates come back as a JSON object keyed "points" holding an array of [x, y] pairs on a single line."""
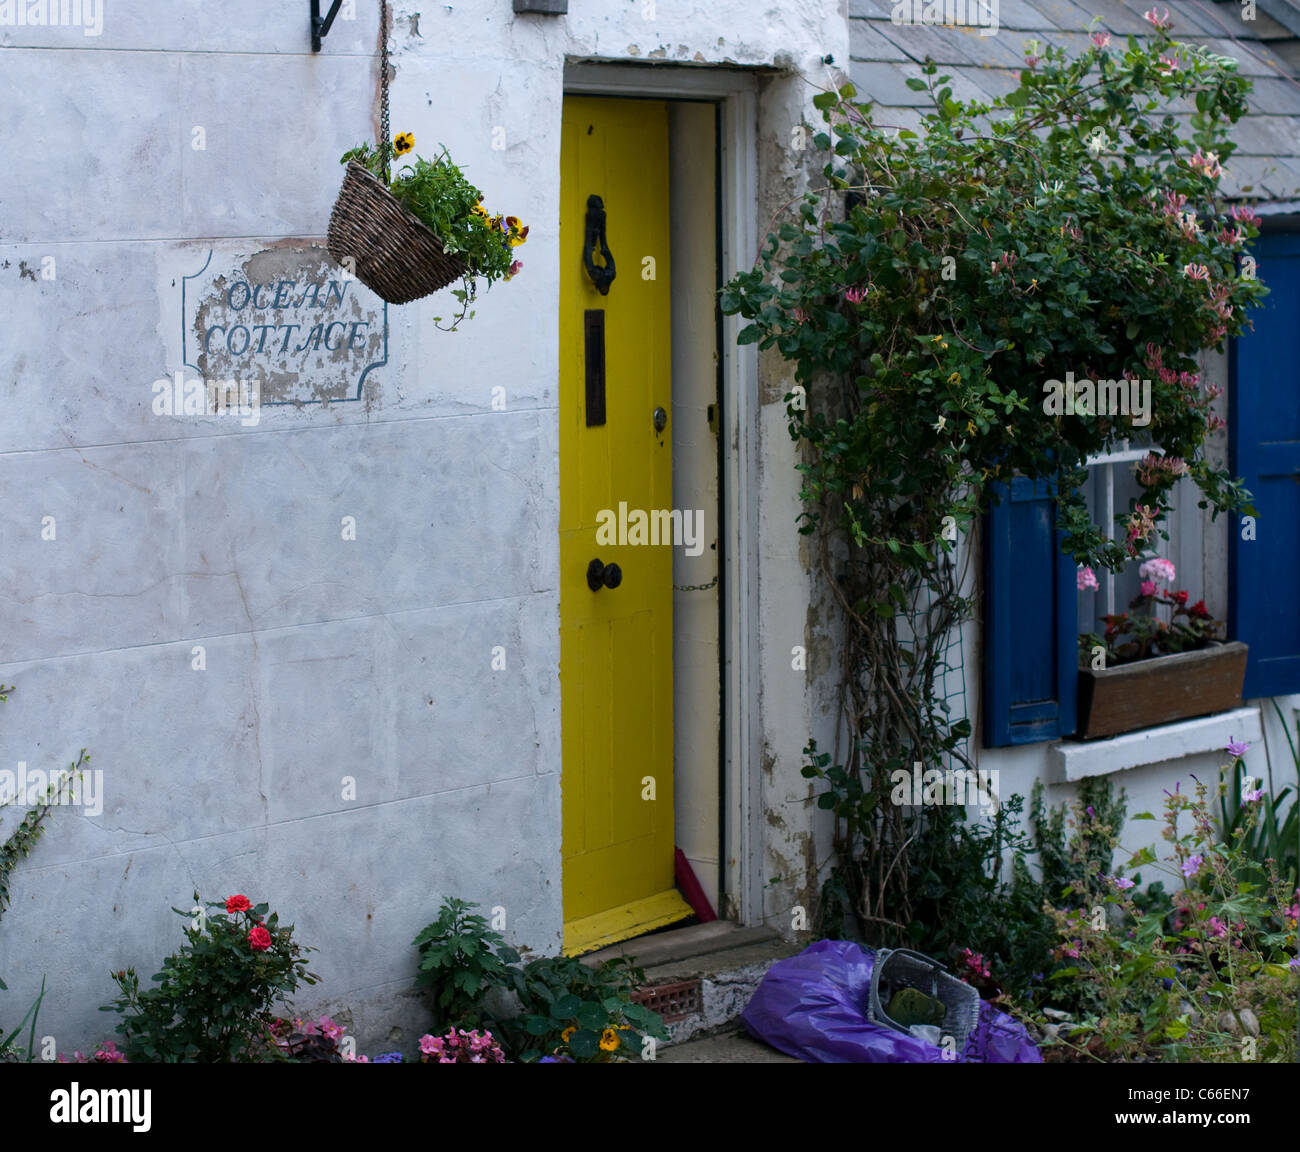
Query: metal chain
{"points": [[384, 143], [695, 587]]}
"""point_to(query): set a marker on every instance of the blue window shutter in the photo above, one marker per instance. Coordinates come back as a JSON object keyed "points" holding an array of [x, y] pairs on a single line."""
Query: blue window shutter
{"points": [[1264, 446], [1030, 609]]}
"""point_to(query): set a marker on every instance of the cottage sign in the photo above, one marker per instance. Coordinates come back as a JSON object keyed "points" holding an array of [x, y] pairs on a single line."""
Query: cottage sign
{"points": [[287, 322]]}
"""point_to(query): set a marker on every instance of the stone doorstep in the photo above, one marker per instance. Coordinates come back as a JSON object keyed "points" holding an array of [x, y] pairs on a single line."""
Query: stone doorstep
{"points": [[728, 963], [682, 943]]}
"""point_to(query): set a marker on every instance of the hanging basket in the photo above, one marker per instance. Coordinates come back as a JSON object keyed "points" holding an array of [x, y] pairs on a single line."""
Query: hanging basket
{"points": [[394, 254]]}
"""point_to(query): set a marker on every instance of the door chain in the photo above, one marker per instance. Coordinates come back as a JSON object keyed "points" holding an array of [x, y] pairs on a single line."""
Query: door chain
{"points": [[695, 587]]}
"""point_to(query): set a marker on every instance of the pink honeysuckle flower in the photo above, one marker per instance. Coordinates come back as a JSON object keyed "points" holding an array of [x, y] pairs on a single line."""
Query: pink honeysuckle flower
{"points": [[1173, 206], [1245, 214], [1196, 272], [1159, 23], [1167, 64], [1206, 162], [1101, 39], [854, 295]]}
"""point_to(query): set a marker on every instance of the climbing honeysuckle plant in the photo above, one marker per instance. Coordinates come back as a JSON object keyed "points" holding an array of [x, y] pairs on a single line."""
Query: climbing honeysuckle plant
{"points": [[1016, 287], [1073, 226]]}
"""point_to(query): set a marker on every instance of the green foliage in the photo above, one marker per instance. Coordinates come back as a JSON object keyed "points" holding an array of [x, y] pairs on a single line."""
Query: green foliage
{"points": [[1210, 981], [927, 293], [458, 964], [22, 840], [563, 1006], [216, 997], [9, 1054], [977, 263], [1076, 847], [1265, 835], [570, 1008], [972, 885]]}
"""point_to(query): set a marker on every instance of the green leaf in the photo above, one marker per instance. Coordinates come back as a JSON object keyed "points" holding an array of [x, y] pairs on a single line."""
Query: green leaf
{"points": [[593, 1015], [584, 1044], [916, 85], [566, 1007], [750, 334]]}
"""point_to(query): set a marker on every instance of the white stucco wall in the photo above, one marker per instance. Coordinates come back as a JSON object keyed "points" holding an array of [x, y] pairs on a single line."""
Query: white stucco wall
{"points": [[325, 658]]}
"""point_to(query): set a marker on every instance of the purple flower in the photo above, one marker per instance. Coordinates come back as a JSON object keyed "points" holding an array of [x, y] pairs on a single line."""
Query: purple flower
{"points": [[388, 1058], [1192, 865], [1295, 965], [1123, 882], [1236, 748], [1217, 927]]}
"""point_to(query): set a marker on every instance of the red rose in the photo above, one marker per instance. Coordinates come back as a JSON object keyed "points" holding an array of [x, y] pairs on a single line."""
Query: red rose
{"points": [[237, 904], [1181, 597], [259, 939]]}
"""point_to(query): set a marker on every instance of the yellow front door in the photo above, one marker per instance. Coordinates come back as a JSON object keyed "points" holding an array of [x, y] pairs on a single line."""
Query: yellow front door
{"points": [[616, 640]]}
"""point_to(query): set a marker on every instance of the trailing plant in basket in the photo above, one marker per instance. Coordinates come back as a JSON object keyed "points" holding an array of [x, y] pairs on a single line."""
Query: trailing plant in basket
{"points": [[437, 193], [943, 297]]}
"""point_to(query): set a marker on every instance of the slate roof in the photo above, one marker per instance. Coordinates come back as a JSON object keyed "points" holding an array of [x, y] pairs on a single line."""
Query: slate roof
{"points": [[1267, 161]]}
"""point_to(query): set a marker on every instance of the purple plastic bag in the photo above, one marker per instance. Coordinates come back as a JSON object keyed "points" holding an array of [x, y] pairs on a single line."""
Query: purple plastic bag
{"points": [[814, 1006]]}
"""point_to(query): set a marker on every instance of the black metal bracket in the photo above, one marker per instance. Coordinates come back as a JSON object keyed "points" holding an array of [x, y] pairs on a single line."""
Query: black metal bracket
{"points": [[321, 28]]}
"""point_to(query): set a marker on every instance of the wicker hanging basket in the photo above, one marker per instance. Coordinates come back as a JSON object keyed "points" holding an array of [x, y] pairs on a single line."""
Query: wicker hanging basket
{"points": [[391, 252]]}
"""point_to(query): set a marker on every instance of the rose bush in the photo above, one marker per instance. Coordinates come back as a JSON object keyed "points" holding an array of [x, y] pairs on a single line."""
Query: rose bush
{"points": [[214, 998]]}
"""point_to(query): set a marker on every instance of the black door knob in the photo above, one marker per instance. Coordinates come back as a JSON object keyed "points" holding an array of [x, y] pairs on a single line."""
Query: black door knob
{"points": [[603, 575]]}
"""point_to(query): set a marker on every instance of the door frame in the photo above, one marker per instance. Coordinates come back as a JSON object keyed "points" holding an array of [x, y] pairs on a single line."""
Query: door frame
{"points": [[736, 94]]}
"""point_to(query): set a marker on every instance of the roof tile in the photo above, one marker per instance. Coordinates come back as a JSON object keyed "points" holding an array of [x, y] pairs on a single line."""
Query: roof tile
{"points": [[1273, 97], [1065, 14], [872, 8], [886, 83], [1266, 136], [1117, 18], [865, 43], [942, 45], [990, 51]]}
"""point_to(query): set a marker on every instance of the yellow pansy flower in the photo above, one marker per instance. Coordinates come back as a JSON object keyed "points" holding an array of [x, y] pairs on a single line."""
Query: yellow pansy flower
{"points": [[403, 142]]}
